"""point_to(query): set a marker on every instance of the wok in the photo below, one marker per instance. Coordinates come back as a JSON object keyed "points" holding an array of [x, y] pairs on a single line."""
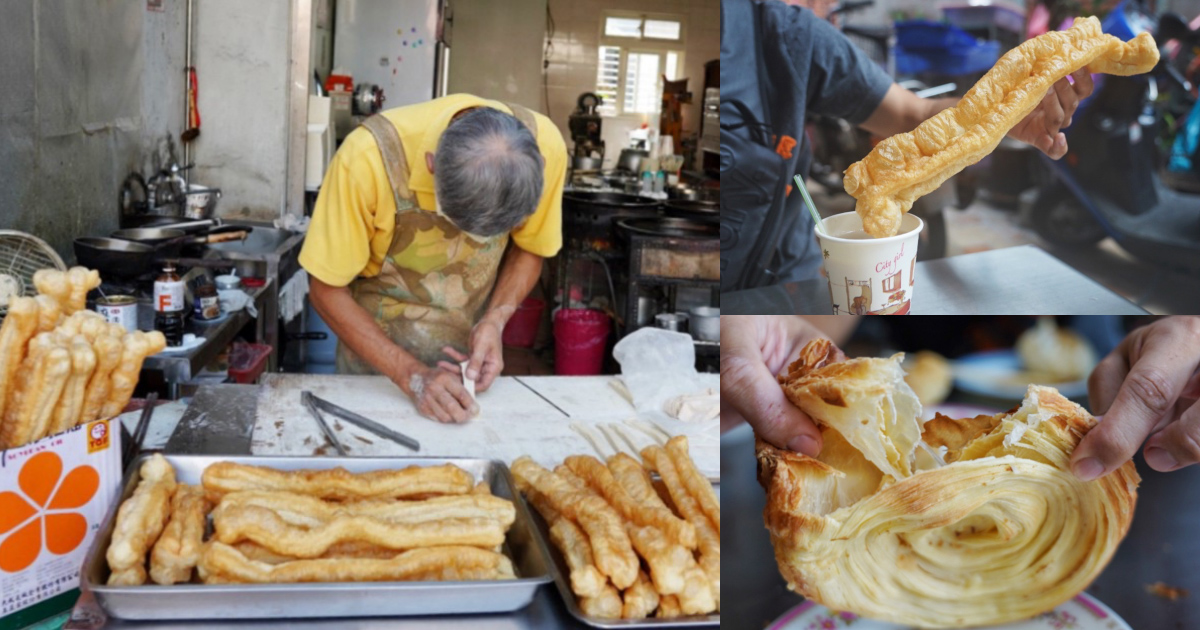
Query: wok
{"points": [[682, 209], [671, 228], [130, 259]]}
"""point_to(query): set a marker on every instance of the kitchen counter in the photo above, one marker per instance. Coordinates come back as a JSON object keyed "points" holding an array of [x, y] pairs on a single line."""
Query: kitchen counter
{"points": [[183, 366], [1162, 546], [221, 420], [1022, 280]]}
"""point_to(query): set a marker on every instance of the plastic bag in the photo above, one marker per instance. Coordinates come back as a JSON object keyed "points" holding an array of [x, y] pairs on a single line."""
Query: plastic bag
{"points": [[657, 365]]}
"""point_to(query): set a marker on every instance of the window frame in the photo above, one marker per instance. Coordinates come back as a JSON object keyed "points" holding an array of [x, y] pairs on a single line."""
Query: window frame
{"points": [[642, 44]]}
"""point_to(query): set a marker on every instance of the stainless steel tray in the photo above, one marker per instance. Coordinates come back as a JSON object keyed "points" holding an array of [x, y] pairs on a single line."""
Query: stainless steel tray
{"points": [[558, 569], [334, 599]]}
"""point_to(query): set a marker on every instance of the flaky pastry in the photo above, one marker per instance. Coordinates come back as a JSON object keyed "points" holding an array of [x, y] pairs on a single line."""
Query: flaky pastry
{"points": [[1059, 353], [907, 166], [1002, 533]]}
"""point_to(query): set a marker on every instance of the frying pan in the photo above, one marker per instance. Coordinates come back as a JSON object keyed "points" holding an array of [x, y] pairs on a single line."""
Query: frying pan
{"points": [[130, 259], [158, 235]]}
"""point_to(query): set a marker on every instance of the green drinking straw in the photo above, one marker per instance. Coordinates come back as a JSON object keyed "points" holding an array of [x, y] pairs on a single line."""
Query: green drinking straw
{"points": [[812, 209]]}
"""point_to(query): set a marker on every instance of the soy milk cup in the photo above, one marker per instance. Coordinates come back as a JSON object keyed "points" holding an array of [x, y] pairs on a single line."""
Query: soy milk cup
{"points": [[869, 276]]}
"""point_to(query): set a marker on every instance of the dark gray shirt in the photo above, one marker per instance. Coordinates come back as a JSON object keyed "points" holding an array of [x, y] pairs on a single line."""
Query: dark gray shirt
{"points": [[812, 67]]}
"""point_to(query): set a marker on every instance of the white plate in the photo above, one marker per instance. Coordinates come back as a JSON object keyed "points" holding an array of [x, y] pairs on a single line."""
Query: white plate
{"points": [[1082, 613], [998, 374], [189, 344]]}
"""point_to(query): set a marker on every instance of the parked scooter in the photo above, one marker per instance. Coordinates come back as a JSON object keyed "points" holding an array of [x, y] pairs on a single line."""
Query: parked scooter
{"points": [[1108, 184]]}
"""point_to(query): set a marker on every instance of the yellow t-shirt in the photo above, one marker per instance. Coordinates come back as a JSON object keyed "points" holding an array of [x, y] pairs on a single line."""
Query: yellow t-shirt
{"points": [[355, 215]]}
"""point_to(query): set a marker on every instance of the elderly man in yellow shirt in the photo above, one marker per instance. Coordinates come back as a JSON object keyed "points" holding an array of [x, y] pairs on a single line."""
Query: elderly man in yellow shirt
{"points": [[409, 247]]}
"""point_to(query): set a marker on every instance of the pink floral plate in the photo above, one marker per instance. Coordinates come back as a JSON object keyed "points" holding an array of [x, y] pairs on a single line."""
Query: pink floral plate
{"points": [[1082, 613]]}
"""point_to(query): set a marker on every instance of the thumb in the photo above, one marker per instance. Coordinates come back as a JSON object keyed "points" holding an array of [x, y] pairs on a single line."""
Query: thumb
{"points": [[752, 391]]}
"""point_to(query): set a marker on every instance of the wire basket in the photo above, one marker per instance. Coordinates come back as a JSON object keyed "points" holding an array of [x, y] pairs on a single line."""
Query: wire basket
{"points": [[21, 255]]}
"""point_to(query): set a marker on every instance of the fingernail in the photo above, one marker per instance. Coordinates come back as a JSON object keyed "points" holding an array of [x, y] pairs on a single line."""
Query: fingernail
{"points": [[1088, 468], [473, 374], [804, 444], [1161, 459]]}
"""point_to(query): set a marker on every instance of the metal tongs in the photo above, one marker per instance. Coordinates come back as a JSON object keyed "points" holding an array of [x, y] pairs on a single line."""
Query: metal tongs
{"points": [[317, 405]]}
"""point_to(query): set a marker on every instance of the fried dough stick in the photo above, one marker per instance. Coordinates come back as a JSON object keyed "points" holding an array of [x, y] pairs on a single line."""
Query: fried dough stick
{"points": [[140, 520]]}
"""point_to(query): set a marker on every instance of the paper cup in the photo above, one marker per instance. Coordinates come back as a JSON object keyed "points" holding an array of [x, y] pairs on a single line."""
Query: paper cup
{"points": [[869, 276]]}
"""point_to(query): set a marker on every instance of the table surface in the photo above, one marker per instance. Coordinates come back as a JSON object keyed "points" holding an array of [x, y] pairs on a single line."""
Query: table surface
{"points": [[220, 420], [1162, 546], [1022, 280]]}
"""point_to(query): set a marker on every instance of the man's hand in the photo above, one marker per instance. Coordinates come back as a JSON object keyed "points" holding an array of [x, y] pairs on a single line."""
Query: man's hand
{"points": [[439, 394], [753, 351], [487, 353], [1147, 386], [1042, 127]]}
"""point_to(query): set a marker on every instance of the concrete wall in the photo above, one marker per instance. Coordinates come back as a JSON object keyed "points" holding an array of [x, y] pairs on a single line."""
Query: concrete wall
{"points": [[576, 41], [92, 91], [241, 56], [496, 50]]}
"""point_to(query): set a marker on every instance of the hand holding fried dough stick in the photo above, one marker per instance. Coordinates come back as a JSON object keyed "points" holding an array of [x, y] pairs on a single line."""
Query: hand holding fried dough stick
{"points": [[339, 483], [221, 562], [178, 548], [270, 529], [586, 579], [70, 404], [140, 518], [610, 544], [906, 166]]}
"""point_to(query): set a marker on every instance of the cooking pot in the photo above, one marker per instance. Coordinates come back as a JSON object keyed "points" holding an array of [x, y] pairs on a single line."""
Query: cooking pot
{"points": [[591, 214], [580, 164], [671, 228], [631, 160], [692, 209], [705, 323]]}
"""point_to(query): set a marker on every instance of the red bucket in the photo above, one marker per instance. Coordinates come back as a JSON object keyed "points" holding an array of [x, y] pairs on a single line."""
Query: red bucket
{"points": [[580, 337], [522, 327]]}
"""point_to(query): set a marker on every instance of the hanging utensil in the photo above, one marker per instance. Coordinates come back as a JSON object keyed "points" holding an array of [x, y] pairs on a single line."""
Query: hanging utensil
{"points": [[193, 118]]}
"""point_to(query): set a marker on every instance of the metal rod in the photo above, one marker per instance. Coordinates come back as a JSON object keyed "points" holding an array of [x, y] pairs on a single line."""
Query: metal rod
{"points": [[306, 398], [539, 395], [364, 422]]}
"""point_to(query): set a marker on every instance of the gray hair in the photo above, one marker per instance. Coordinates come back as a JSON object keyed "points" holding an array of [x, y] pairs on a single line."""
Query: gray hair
{"points": [[488, 172]]}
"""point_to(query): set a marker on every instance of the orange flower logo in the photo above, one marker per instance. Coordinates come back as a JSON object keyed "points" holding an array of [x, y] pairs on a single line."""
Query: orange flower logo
{"points": [[45, 502]]}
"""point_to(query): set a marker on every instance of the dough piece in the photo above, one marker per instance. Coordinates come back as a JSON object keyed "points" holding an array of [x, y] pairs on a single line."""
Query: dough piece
{"points": [[596, 475], [1058, 353], [70, 405], [54, 284], [906, 166], [590, 435], [866, 400], [82, 280], [258, 553], [611, 546], [929, 375], [137, 346], [606, 605], [271, 530], [140, 518], [108, 350], [178, 548], [586, 579], [18, 328], [43, 376], [221, 563], [640, 599], [695, 407], [309, 511], [50, 313], [468, 383], [1003, 533], [339, 483]]}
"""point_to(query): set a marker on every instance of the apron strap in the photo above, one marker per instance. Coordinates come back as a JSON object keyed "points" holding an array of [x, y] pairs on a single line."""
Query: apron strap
{"points": [[525, 116], [392, 150]]}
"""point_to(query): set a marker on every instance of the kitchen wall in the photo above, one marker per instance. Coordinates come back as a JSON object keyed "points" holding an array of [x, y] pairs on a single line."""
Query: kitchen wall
{"points": [[575, 49], [496, 50], [92, 91], [241, 56]]}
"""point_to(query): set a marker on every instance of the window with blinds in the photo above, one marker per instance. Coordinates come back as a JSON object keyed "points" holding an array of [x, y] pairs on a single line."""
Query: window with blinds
{"points": [[629, 77]]}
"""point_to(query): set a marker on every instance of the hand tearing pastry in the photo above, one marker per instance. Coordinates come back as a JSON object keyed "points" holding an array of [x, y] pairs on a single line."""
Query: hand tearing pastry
{"points": [[906, 166], [1002, 532]]}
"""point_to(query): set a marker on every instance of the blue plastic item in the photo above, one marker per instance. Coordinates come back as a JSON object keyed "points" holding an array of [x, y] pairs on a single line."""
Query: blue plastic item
{"points": [[978, 58], [1187, 141], [931, 36]]}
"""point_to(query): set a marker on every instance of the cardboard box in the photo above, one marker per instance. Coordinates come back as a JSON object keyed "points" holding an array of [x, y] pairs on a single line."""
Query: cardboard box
{"points": [[54, 494]]}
